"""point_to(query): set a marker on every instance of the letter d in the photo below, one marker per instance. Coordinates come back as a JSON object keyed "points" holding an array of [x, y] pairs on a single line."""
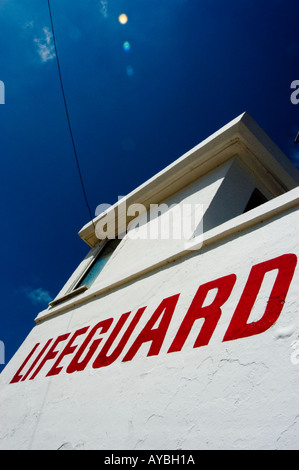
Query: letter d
{"points": [[238, 327]]}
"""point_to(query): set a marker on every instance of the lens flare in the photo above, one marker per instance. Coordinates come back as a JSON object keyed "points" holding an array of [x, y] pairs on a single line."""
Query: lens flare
{"points": [[123, 19], [129, 71], [126, 46]]}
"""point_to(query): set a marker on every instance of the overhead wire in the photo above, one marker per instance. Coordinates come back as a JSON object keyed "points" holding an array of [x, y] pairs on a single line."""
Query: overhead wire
{"points": [[67, 115]]}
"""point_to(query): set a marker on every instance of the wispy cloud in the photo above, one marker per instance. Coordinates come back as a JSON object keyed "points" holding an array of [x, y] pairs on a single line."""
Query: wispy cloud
{"points": [[104, 8], [45, 46], [38, 296], [29, 24]]}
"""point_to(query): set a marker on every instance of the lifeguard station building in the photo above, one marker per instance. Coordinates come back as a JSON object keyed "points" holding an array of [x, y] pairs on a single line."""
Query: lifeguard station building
{"points": [[159, 342]]}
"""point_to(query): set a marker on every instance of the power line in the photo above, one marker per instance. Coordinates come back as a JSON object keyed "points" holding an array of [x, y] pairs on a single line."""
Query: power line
{"points": [[67, 114]]}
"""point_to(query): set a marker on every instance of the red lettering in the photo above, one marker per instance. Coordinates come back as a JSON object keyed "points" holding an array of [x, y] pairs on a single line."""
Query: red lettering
{"points": [[102, 359], [238, 327], [37, 359], [75, 364], [17, 377], [69, 349], [155, 335], [50, 354], [210, 313]]}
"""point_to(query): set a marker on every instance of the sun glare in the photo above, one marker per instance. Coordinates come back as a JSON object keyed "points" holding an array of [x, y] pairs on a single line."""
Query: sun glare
{"points": [[123, 19]]}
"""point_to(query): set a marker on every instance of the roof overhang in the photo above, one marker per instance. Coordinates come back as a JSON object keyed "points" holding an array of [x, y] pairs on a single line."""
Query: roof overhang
{"points": [[241, 138]]}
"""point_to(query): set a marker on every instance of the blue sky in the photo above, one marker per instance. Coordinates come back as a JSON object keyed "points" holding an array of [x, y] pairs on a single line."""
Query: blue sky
{"points": [[192, 66]]}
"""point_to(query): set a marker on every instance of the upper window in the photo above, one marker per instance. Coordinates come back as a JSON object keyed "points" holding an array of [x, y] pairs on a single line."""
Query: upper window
{"points": [[98, 264], [256, 199], [91, 274]]}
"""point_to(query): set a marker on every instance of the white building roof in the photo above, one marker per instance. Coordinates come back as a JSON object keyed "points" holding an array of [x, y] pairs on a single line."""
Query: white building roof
{"points": [[241, 138]]}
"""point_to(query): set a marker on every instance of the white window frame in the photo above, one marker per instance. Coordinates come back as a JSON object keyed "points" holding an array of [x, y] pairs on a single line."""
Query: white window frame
{"points": [[69, 290]]}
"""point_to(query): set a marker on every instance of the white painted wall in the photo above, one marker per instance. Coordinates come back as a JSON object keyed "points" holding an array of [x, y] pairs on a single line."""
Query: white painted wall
{"points": [[223, 194], [240, 394]]}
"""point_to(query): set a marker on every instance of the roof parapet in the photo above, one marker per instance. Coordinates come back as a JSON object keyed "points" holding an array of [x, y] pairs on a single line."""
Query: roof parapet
{"points": [[241, 138]]}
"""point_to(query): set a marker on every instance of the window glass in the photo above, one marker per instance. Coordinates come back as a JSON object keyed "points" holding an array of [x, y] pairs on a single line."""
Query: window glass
{"points": [[98, 264], [256, 199]]}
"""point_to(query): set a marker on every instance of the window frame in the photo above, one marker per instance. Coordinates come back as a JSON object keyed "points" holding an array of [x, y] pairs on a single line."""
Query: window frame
{"points": [[95, 257], [70, 289]]}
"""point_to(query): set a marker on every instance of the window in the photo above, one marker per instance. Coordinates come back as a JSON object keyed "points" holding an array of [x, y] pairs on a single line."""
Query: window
{"points": [[256, 199], [91, 274], [98, 264]]}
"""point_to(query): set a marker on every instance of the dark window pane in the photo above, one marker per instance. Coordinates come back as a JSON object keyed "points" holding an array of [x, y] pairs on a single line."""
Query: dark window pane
{"points": [[256, 199]]}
